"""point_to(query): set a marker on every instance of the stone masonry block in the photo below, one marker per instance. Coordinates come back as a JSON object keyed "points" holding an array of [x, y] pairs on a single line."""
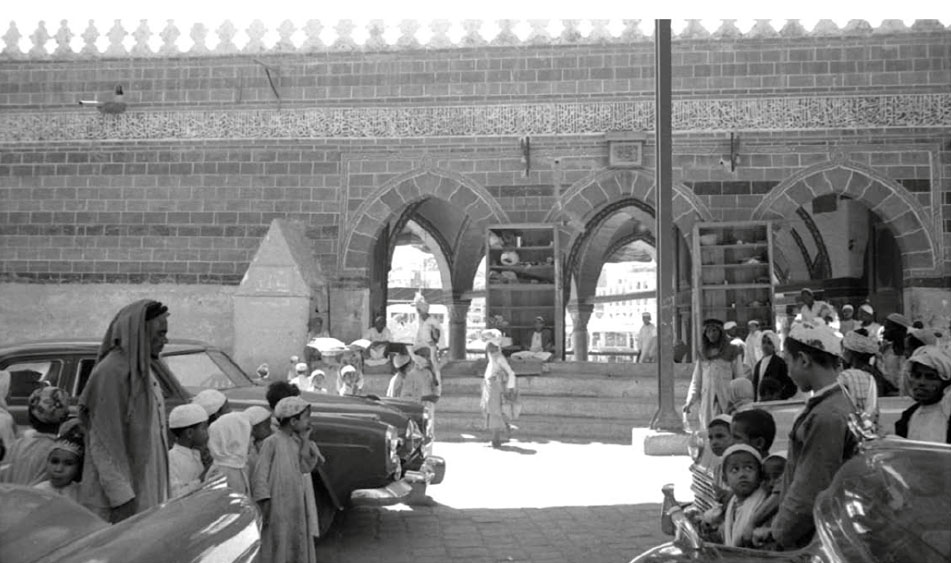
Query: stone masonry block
{"points": [[462, 197], [612, 187], [857, 185], [818, 184], [799, 193], [876, 194], [838, 178], [446, 188], [392, 199], [905, 222], [917, 260], [594, 195], [409, 191]]}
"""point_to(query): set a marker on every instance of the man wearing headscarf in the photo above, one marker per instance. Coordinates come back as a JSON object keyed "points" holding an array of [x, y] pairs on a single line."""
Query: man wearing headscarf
{"points": [[48, 408], [814, 309], [428, 335], [929, 380], [125, 469]]}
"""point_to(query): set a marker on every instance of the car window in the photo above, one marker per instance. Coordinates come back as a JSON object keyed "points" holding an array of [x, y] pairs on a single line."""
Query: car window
{"points": [[85, 369], [198, 370], [27, 376]]}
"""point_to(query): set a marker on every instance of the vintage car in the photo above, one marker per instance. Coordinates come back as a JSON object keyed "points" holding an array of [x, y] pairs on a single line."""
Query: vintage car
{"points": [[784, 414], [376, 452], [210, 524], [887, 504]]}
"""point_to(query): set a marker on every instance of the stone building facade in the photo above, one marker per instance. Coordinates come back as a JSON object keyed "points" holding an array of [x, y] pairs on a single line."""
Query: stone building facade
{"points": [[324, 152]]}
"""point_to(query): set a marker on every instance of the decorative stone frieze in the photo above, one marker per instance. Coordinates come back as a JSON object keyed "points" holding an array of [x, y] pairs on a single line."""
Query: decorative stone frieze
{"points": [[540, 33], [579, 118]]}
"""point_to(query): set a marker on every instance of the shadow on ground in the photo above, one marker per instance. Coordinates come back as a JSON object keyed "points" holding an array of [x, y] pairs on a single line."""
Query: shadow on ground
{"points": [[437, 533]]}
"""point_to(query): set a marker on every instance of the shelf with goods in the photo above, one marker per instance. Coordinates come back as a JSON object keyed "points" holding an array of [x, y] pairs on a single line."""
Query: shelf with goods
{"points": [[733, 273], [523, 281]]}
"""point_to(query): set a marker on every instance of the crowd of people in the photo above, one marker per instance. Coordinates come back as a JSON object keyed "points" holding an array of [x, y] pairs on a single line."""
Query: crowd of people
{"points": [[765, 498]]}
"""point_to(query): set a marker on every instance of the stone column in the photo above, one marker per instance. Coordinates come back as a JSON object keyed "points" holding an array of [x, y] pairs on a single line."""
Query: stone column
{"points": [[458, 310], [580, 314]]}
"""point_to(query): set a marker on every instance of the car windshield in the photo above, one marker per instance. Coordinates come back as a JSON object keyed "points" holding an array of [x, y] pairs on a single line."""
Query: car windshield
{"points": [[206, 369]]}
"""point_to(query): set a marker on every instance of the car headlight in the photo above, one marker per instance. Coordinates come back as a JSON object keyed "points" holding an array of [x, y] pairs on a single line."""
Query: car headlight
{"points": [[428, 425], [392, 451], [695, 446]]}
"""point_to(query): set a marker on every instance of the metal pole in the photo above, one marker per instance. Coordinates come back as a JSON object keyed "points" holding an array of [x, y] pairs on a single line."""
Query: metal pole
{"points": [[666, 417]]}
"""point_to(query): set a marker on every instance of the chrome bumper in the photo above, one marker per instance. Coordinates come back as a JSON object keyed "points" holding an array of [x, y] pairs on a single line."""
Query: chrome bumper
{"points": [[430, 473]]}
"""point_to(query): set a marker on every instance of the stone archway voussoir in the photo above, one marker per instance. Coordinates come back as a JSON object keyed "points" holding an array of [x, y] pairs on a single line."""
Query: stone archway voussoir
{"points": [[784, 206], [917, 260], [462, 198], [799, 193], [428, 183], [594, 195], [409, 191], [379, 210], [447, 189], [839, 178], [876, 194], [857, 185], [612, 187], [818, 184]]}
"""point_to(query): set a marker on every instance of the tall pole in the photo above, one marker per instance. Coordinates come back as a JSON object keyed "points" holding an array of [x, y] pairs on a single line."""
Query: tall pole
{"points": [[666, 417]]}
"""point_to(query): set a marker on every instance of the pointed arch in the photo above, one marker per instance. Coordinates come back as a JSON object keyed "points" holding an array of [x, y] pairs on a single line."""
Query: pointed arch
{"points": [[885, 197]]}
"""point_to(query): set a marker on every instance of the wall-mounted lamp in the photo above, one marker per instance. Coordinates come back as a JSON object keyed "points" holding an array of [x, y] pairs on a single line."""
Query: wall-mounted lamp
{"points": [[733, 161], [116, 106], [525, 144]]}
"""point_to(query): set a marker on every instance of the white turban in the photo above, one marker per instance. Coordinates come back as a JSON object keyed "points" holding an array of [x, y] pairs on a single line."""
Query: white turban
{"points": [[186, 415], [774, 339], [818, 335], [935, 358], [211, 400], [228, 440], [862, 344], [290, 407], [256, 414]]}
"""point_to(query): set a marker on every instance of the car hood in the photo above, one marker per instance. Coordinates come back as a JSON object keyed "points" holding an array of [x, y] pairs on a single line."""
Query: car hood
{"points": [[324, 404]]}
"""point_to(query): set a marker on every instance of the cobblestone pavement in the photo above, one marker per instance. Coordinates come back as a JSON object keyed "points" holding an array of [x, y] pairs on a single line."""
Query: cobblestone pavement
{"points": [[529, 502]]}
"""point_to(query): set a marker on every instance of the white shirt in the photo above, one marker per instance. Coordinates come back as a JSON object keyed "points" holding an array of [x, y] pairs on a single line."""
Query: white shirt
{"points": [[424, 334], [184, 470], [373, 335], [536, 342], [929, 423]]}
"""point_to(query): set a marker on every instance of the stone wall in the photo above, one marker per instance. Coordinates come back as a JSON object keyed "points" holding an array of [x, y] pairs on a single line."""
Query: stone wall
{"points": [[181, 187]]}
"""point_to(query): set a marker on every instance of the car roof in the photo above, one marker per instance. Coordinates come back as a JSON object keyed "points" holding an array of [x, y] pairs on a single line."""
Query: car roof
{"points": [[86, 345]]}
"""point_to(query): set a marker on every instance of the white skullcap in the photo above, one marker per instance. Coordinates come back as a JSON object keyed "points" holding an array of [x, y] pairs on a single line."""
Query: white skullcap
{"points": [[737, 448], [256, 414], [867, 308], [927, 336], [752, 322], [186, 415], [844, 307], [818, 335], [722, 418], [347, 369], [781, 454], [211, 400], [899, 319], [728, 325], [401, 360], [295, 359], [491, 336], [301, 367], [861, 344], [317, 372], [289, 407]]}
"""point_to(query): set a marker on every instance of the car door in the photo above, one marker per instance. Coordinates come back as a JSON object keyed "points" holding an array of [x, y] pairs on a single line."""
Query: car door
{"points": [[28, 373]]}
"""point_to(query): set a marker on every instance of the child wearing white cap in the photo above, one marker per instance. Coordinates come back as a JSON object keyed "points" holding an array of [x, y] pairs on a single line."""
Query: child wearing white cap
{"points": [[743, 469], [189, 425], [260, 420], [287, 457], [214, 402]]}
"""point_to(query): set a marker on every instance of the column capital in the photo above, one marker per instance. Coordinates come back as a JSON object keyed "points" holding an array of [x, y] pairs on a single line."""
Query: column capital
{"points": [[458, 308], [580, 308]]}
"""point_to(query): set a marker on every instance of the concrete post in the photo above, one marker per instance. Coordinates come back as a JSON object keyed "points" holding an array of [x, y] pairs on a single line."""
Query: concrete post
{"points": [[580, 314], [666, 417], [458, 310]]}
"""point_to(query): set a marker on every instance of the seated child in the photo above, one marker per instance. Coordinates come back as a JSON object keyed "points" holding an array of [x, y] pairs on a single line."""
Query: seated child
{"points": [[189, 425], [741, 395], [260, 420], [65, 466], [773, 468], [229, 438], [754, 427], [287, 458], [27, 457], [318, 381], [743, 467]]}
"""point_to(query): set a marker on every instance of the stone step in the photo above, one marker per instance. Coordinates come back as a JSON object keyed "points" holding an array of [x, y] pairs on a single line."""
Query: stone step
{"points": [[460, 426], [581, 407], [541, 385]]}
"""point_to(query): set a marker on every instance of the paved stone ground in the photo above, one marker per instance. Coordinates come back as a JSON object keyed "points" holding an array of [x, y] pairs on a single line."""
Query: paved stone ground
{"points": [[540, 502]]}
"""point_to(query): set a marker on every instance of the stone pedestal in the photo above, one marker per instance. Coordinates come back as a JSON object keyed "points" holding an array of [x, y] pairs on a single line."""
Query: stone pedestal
{"points": [[458, 310], [580, 315], [273, 303]]}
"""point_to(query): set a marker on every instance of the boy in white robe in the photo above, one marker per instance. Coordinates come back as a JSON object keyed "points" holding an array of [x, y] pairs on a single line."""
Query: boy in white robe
{"points": [[189, 424], [743, 469]]}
